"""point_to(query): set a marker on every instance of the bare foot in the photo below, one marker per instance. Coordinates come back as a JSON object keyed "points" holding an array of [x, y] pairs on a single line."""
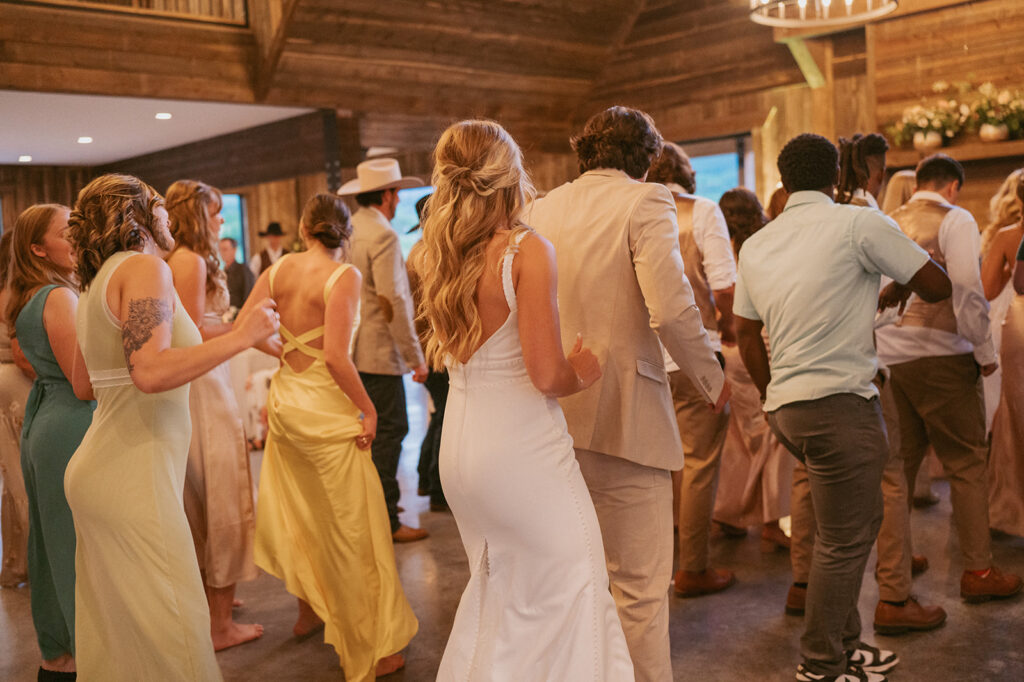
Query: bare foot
{"points": [[237, 603], [390, 664], [235, 634], [306, 624]]}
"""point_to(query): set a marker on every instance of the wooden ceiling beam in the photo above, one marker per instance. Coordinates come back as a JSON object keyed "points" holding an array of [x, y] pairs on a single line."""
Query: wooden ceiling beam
{"points": [[271, 22]]}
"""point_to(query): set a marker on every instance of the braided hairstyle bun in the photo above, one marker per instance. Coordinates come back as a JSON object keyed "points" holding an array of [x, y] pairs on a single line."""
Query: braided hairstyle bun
{"points": [[326, 218]]}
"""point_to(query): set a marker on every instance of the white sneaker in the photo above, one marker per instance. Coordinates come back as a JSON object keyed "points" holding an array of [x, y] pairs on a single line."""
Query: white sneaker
{"points": [[853, 674], [873, 659]]}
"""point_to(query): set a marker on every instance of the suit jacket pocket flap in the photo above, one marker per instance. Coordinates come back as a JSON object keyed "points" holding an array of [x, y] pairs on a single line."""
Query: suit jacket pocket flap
{"points": [[651, 371]]}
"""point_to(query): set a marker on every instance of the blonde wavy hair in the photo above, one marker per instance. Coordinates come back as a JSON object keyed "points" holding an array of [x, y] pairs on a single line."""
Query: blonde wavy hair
{"points": [[188, 205], [480, 187], [26, 271], [1003, 209], [113, 213]]}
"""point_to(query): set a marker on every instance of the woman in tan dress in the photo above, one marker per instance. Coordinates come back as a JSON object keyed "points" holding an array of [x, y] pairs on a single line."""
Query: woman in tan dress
{"points": [[757, 470], [218, 485], [15, 383], [1006, 459]]}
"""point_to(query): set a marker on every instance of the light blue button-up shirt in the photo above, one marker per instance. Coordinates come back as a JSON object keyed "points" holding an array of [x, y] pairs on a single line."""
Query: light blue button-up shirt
{"points": [[812, 276]]}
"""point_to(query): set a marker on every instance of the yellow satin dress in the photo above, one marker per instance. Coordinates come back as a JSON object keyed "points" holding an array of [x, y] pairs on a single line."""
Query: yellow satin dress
{"points": [[321, 523]]}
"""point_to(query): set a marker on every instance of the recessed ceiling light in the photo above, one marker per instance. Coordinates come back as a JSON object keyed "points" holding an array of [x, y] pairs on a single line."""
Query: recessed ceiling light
{"points": [[85, 140], [24, 158], [163, 116]]}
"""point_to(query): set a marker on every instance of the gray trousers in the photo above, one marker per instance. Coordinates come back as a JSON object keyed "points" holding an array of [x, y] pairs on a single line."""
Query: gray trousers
{"points": [[841, 440]]}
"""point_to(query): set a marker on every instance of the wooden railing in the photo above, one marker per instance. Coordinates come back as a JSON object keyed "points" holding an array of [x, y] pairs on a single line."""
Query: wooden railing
{"points": [[216, 11]]}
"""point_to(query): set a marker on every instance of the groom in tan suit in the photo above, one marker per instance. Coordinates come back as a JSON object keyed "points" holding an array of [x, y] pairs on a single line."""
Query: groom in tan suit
{"points": [[621, 285]]}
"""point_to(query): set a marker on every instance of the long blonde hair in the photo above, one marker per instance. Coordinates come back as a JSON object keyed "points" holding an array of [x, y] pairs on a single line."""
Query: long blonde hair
{"points": [[113, 213], [1003, 209], [27, 271], [480, 187], [188, 205]]}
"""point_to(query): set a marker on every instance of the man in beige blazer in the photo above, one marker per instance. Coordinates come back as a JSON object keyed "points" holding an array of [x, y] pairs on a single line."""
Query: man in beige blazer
{"points": [[386, 345], [621, 285]]}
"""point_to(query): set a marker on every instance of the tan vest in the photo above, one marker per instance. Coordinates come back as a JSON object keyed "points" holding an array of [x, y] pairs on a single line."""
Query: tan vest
{"points": [[693, 262], [920, 220]]}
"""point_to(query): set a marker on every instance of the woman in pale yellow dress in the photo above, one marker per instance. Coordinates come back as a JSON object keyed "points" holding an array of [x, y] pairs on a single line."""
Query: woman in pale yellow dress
{"points": [[140, 609], [321, 523], [15, 383], [218, 484]]}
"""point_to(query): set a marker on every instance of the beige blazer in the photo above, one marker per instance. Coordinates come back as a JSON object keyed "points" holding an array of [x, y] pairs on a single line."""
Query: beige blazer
{"points": [[621, 284], [386, 341]]}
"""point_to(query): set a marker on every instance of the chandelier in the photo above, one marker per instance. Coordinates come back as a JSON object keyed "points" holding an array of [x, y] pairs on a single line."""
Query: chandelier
{"points": [[818, 13]]}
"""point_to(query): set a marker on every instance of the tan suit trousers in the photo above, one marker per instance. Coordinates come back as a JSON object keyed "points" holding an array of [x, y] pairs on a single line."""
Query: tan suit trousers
{"points": [[894, 550], [634, 509], [703, 435], [940, 402]]}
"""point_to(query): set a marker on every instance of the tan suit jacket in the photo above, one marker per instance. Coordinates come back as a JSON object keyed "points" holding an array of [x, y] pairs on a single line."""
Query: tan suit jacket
{"points": [[621, 284], [386, 341]]}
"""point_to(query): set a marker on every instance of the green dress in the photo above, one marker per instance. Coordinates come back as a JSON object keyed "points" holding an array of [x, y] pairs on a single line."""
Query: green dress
{"points": [[142, 612], [55, 422]]}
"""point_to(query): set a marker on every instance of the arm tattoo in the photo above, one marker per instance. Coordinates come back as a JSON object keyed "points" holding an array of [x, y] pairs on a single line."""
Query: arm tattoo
{"points": [[144, 315]]}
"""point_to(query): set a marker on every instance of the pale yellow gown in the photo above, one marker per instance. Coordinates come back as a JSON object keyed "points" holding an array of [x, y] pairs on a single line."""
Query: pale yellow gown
{"points": [[141, 611], [14, 388], [321, 523]]}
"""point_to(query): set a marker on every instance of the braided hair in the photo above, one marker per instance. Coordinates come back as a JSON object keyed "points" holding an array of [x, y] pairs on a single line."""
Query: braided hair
{"points": [[855, 163]]}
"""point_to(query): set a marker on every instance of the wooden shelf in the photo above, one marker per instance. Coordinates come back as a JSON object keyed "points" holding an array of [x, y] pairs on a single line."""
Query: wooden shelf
{"points": [[975, 150]]}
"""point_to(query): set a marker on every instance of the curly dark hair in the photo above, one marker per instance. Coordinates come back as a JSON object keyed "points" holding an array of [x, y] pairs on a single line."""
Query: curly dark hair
{"points": [[939, 169], [856, 158], [618, 137], [743, 213], [113, 213], [673, 165], [808, 162], [325, 218]]}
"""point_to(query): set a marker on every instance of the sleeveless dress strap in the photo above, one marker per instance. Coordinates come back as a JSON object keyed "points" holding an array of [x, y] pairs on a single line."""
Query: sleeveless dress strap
{"points": [[273, 272], [338, 272], [118, 376], [506, 268]]}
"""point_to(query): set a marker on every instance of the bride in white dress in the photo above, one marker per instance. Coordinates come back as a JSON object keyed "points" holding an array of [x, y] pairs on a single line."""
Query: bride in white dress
{"points": [[537, 606]]}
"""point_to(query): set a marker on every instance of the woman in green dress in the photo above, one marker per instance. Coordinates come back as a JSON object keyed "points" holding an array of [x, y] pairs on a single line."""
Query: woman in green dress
{"points": [[43, 299], [140, 606]]}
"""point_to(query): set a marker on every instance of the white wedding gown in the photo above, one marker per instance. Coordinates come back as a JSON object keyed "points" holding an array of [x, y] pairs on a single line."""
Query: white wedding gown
{"points": [[537, 606]]}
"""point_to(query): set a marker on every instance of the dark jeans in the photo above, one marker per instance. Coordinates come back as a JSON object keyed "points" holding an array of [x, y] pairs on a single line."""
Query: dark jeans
{"points": [[387, 393], [841, 440], [430, 480]]}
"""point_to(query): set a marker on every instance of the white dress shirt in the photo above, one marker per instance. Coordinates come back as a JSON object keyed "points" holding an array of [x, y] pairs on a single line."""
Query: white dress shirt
{"points": [[960, 242], [256, 264]]}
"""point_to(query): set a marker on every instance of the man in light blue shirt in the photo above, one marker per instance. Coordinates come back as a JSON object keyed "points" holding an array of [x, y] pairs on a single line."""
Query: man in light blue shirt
{"points": [[811, 277]]}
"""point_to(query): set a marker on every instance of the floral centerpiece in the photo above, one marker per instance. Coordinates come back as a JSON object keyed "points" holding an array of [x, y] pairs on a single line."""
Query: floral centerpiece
{"points": [[930, 126], [992, 113], [998, 114]]}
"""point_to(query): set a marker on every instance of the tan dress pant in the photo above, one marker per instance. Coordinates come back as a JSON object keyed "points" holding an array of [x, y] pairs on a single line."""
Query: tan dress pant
{"points": [[703, 435], [939, 400], [894, 548], [634, 509]]}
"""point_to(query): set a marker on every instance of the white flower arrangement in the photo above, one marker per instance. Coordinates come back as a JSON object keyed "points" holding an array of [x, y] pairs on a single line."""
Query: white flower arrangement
{"points": [[960, 107]]}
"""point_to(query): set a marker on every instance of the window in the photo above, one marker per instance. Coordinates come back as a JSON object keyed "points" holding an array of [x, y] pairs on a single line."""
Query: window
{"points": [[234, 223], [721, 164], [405, 216]]}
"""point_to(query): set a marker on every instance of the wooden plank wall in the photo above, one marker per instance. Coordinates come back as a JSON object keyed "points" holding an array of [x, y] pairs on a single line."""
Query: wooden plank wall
{"points": [[281, 201], [22, 186], [227, 11]]}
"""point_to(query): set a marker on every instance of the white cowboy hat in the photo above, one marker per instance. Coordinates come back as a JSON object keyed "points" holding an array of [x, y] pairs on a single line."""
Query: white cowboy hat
{"points": [[377, 174]]}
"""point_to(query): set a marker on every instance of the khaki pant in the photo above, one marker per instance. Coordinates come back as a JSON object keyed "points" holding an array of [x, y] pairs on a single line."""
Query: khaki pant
{"points": [[939, 400], [703, 435], [634, 509]]}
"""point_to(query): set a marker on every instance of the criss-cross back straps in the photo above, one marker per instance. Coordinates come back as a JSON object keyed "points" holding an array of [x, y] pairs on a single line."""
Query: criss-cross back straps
{"points": [[301, 341], [506, 267]]}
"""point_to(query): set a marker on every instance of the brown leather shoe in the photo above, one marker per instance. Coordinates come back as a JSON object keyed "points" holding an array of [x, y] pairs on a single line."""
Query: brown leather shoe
{"points": [[929, 499], [995, 585], [772, 538], [706, 582], [407, 534], [918, 564], [894, 620], [796, 600]]}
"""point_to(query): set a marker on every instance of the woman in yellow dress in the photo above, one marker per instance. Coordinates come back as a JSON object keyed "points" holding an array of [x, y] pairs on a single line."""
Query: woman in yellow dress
{"points": [[140, 609], [321, 523]]}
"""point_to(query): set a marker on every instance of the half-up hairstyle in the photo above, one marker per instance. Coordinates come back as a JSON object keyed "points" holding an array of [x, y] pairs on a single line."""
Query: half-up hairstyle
{"points": [[189, 204], [1003, 209], [480, 187], [113, 213], [26, 271], [743, 213], [326, 218], [856, 157], [618, 137]]}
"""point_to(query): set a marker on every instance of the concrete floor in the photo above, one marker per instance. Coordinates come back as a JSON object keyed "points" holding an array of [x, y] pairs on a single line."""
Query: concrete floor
{"points": [[739, 635]]}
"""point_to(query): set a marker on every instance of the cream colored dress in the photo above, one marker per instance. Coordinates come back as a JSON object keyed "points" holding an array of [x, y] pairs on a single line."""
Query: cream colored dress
{"points": [[1006, 461], [218, 484], [141, 611], [14, 388]]}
